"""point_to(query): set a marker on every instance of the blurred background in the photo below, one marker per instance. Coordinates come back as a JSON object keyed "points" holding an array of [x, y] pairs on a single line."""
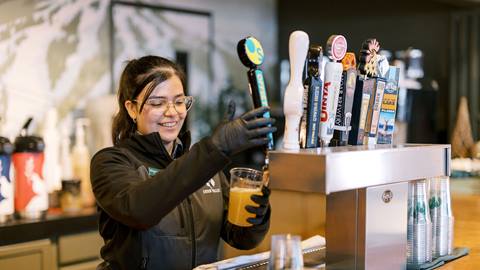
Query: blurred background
{"points": [[67, 56]]}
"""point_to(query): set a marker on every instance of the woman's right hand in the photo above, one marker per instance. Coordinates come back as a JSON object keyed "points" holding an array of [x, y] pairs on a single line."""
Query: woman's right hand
{"points": [[249, 130]]}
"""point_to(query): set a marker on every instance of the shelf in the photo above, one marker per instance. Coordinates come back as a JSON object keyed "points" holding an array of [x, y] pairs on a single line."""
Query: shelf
{"points": [[53, 225]]}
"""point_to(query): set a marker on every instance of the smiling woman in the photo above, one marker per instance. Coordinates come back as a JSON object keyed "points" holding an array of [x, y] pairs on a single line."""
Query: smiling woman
{"points": [[143, 82], [155, 193], [153, 114]]}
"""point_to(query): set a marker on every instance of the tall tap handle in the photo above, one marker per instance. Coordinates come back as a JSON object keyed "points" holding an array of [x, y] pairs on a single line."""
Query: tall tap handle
{"points": [[314, 59], [297, 51], [293, 100]]}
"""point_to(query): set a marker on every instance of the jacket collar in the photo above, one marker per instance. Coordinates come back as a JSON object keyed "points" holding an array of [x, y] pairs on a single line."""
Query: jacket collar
{"points": [[151, 144]]}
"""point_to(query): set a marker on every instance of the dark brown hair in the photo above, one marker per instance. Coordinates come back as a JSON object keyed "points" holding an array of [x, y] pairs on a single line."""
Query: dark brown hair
{"points": [[148, 71]]}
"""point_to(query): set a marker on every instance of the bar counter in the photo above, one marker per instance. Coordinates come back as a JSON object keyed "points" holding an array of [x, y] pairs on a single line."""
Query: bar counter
{"points": [[300, 215], [465, 203]]}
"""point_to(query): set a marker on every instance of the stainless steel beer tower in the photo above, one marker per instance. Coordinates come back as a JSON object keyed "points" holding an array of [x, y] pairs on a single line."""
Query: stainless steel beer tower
{"points": [[367, 189]]}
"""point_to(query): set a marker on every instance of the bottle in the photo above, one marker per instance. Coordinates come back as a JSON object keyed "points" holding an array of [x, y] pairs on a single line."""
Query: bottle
{"points": [[51, 166], [70, 198], [65, 155], [81, 162]]}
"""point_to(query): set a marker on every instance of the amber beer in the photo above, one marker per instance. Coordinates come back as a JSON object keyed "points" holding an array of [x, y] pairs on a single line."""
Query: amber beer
{"points": [[239, 198], [244, 183]]}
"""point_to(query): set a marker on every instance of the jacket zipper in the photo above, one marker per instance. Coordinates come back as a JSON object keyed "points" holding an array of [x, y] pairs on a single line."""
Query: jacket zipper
{"points": [[180, 212], [192, 232], [143, 264], [144, 261]]}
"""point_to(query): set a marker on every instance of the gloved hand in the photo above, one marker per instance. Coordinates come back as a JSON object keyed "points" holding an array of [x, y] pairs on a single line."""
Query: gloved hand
{"points": [[249, 130], [261, 210]]}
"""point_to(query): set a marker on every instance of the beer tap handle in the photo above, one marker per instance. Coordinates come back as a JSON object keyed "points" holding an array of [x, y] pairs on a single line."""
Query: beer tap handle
{"points": [[251, 55], [293, 99], [297, 51]]}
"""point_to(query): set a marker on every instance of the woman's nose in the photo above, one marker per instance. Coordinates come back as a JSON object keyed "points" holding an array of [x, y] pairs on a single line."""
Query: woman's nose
{"points": [[170, 109]]}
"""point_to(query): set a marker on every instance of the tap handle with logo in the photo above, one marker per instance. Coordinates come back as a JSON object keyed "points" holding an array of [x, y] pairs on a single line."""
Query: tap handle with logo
{"points": [[251, 55]]}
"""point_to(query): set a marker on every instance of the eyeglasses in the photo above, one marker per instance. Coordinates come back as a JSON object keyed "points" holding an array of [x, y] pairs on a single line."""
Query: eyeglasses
{"points": [[180, 104]]}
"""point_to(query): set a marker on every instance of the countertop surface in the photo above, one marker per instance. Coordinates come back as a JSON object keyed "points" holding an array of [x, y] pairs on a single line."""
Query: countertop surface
{"points": [[54, 224], [465, 195]]}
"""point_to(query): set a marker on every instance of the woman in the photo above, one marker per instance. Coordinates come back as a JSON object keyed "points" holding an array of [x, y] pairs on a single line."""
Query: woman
{"points": [[149, 185]]}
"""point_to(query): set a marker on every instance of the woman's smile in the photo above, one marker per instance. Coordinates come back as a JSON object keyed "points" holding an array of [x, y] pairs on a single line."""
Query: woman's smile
{"points": [[170, 124]]}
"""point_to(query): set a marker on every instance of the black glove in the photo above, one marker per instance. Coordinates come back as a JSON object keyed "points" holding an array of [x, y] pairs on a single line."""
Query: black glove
{"points": [[261, 210], [249, 130]]}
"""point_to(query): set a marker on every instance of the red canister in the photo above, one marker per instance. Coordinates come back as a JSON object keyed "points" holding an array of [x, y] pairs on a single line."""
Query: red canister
{"points": [[31, 196]]}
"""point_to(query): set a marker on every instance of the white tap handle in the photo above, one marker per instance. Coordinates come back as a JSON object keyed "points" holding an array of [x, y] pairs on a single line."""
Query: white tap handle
{"points": [[297, 51], [293, 100], [331, 90]]}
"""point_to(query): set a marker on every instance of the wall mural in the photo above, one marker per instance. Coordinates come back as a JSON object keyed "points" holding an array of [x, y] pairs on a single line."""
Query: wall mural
{"points": [[52, 53], [185, 36]]}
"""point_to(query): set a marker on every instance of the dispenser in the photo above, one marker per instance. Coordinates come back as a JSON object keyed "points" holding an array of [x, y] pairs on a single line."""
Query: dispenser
{"points": [[31, 196]]}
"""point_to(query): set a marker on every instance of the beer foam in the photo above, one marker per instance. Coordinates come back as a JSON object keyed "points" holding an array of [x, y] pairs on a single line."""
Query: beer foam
{"points": [[245, 189]]}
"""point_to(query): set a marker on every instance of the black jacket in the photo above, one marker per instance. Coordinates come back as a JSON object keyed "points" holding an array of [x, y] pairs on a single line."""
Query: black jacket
{"points": [[160, 213]]}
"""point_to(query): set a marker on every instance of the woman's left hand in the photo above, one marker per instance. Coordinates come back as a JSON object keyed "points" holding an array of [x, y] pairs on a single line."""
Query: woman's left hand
{"points": [[261, 210]]}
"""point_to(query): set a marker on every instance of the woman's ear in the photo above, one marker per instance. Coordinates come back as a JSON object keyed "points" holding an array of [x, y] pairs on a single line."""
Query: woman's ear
{"points": [[131, 109]]}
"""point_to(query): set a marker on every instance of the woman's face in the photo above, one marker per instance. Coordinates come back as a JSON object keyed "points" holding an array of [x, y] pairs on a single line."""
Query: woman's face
{"points": [[155, 117]]}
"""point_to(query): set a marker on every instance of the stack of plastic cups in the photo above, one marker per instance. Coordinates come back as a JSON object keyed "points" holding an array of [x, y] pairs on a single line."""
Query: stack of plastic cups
{"points": [[419, 231], [441, 216]]}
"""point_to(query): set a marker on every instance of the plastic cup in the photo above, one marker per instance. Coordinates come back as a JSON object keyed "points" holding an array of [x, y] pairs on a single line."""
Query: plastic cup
{"points": [[244, 183], [285, 252], [419, 230], [441, 216]]}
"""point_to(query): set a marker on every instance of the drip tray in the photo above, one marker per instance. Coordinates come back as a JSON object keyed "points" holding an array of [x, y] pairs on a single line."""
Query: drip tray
{"points": [[313, 258]]}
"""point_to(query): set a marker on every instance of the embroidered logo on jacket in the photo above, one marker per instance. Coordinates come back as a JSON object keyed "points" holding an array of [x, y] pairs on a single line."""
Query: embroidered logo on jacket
{"points": [[211, 187], [152, 171]]}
